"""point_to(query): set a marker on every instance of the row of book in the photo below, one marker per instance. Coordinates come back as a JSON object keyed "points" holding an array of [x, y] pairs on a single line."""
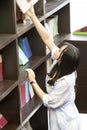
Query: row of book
{"points": [[24, 54], [51, 25], [26, 92]]}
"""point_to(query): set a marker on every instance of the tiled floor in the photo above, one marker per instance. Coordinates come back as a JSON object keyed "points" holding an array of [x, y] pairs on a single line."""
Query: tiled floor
{"points": [[83, 121]]}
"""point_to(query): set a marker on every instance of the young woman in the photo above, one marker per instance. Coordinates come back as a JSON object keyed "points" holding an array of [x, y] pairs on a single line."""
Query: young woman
{"points": [[60, 82]]}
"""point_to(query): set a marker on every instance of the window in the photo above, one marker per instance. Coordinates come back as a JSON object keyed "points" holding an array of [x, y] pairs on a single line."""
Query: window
{"points": [[78, 11]]}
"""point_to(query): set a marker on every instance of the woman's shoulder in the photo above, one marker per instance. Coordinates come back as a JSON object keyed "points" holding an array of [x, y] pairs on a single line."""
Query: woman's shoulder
{"points": [[68, 78]]}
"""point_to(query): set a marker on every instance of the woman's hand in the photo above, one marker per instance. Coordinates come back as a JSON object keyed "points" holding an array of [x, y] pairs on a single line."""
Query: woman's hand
{"points": [[31, 74]]}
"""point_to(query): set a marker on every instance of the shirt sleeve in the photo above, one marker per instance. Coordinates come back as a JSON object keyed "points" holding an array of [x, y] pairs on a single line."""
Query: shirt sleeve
{"points": [[58, 95], [53, 51]]}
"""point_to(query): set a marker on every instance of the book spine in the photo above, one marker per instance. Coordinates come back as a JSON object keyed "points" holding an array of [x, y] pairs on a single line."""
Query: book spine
{"points": [[22, 57], [1, 68], [22, 94]]}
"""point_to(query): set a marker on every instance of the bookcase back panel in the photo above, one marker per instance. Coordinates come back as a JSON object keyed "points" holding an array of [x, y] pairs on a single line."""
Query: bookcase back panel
{"points": [[7, 16], [36, 43], [64, 19], [39, 120], [40, 75], [10, 67], [39, 7], [9, 107]]}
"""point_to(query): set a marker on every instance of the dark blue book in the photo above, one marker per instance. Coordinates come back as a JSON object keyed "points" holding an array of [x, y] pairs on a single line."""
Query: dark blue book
{"points": [[25, 46]]}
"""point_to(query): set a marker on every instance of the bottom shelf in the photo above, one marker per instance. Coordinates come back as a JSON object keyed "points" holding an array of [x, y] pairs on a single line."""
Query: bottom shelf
{"points": [[30, 108]]}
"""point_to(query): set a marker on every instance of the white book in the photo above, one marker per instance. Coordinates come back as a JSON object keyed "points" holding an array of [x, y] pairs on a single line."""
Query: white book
{"points": [[24, 5], [0, 58], [31, 91], [22, 58]]}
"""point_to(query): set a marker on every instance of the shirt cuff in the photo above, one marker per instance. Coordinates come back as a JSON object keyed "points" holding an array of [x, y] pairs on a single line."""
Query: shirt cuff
{"points": [[53, 51]]}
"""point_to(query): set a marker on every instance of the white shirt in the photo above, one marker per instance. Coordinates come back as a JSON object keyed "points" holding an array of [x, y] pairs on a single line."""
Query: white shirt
{"points": [[62, 112]]}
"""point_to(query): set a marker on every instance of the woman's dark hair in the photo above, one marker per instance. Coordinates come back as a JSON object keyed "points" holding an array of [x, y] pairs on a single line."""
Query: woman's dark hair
{"points": [[67, 63]]}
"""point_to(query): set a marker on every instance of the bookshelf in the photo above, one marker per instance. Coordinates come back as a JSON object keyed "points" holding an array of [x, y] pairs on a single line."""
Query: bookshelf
{"points": [[81, 95], [14, 74]]}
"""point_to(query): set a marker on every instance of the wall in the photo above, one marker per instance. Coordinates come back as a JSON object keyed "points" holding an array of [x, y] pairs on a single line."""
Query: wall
{"points": [[78, 13]]}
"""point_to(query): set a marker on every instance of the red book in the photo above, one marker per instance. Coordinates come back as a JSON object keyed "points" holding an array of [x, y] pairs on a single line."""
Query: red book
{"points": [[3, 121], [22, 94], [1, 68], [1, 72]]}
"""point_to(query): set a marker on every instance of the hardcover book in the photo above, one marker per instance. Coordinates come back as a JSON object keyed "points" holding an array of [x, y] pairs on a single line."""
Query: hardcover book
{"points": [[1, 68], [27, 91], [22, 57], [22, 94], [31, 91], [24, 5], [25, 46], [3, 121]]}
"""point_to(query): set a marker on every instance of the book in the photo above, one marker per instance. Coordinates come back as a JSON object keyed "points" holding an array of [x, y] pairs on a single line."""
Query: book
{"points": [[27, 91], [25, 46], [53, 24], [22, 94], [22, 57], [24, 5], [3, 121], [1, 68], [31, 91], [81, 31]]}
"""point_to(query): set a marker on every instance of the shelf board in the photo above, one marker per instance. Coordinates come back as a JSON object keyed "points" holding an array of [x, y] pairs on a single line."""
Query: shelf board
{"points": [[72, 37], [55, 5], [33, 63], [30, 109], [23, 28], [5, 39], [60, 38], [11, 127], [6, 86]]}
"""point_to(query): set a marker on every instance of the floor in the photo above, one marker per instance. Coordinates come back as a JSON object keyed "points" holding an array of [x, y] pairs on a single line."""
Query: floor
{"points": [[83, 121]]}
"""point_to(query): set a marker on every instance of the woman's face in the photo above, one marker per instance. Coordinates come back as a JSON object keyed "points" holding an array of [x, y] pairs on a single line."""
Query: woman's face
{"points": [[58, 53]]}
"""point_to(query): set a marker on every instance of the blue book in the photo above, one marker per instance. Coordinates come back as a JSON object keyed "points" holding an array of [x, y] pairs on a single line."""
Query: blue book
{"points": [[27, 91], [25, 46]]}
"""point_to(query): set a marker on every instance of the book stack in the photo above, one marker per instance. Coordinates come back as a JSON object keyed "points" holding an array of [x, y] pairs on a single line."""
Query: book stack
{"points": [[81, 31], [3, 121], [1, 68], [26, 92], [25, 52]]}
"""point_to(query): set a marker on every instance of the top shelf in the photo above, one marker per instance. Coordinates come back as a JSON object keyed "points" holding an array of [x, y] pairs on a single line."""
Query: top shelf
{"points": [[55, 5]]}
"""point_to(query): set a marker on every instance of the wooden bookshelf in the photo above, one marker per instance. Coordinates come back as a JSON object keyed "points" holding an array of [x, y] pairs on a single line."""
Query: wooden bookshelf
{"points": [[14, 74]]}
